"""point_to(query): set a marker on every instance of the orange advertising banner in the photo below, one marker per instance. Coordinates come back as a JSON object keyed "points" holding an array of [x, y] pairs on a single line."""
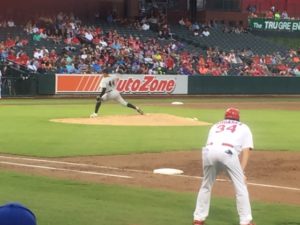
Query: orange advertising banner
{"points": [[70, 83], [127, 84]]}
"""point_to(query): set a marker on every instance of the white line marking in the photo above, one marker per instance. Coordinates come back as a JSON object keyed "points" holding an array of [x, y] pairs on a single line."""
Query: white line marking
{"points": [[61, 169], [81, 79], [274, 186], [138, 171], [248, 183], [60, 162]]}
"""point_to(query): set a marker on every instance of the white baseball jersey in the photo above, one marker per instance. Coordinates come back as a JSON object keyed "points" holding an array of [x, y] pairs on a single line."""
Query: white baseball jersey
{"points": [[226, 140], [230, 132], [109, 83], [111, 92]]}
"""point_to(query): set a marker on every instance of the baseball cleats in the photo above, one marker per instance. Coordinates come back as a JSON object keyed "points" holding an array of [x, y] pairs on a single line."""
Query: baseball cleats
{"points": [[93, 115], [139, 111], [198, 222]]}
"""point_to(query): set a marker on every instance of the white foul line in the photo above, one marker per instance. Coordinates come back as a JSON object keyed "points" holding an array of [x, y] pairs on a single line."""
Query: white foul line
{"points": [[128, 170], [60, 162], [248, 183], [61, 169], [274, 186]]}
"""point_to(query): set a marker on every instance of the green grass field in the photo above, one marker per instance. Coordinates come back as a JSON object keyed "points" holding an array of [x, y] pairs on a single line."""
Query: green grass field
{"points": [[26, 130]]}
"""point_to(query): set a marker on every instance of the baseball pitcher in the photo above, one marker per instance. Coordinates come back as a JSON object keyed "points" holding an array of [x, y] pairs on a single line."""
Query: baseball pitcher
{"points": [[108, 91]]}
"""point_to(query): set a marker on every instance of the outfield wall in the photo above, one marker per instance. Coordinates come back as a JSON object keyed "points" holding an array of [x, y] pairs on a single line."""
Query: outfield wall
{"points": [[151, 85], [243, 85], [197, 85]]}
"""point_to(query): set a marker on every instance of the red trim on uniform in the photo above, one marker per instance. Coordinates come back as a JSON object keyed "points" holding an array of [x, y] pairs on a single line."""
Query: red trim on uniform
{"points": [[224, 144], [228, 145]]}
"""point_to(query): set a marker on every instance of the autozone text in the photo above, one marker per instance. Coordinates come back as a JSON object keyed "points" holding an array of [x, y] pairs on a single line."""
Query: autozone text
{"points": [[150, 84]]}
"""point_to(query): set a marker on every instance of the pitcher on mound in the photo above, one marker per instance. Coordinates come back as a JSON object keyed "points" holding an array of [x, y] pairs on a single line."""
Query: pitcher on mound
{"points": [[108, 91]]}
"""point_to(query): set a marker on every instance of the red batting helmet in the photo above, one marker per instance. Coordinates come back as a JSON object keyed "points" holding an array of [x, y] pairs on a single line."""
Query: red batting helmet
{"points": [[232, 114]]}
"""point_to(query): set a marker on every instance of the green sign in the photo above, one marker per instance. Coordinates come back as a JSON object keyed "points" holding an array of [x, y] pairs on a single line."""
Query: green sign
{"points": [[274, 25]]}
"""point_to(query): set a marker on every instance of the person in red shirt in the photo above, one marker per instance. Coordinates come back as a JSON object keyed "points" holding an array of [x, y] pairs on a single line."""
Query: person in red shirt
{"points": [[23, 59], [169, 63], [11, 56], [9, 43]]}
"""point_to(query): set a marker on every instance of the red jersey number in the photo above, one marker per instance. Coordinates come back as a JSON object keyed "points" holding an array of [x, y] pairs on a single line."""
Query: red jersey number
{"points": [[223, 127]]}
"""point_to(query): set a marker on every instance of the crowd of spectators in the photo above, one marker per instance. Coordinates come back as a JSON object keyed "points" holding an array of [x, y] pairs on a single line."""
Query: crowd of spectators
{"points": [[198, 29], [88, 49], [271, 13]]}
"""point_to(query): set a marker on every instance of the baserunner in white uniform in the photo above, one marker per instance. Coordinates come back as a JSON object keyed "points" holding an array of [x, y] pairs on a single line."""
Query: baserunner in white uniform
{"points": [[108, 91], [227, 148]]}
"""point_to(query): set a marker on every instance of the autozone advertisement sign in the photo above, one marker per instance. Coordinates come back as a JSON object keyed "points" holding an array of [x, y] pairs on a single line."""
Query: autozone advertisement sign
{"points": [[127, 84]]}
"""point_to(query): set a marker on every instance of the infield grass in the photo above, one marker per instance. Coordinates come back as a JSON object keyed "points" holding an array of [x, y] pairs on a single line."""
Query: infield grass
{"points": [[57, 202], [26, 128]]}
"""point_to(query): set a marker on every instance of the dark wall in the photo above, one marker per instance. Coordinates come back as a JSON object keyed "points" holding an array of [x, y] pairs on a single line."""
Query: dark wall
{"points": [[243, 85], [46, 84], [231, 18], [34, 8]]}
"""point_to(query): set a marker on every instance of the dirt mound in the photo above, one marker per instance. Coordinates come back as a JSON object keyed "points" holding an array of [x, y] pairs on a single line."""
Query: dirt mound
{"points": [[149, 119]]}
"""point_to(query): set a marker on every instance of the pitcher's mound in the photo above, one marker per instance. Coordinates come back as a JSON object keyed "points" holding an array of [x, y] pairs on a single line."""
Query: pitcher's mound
{"points": [[149, 119]]}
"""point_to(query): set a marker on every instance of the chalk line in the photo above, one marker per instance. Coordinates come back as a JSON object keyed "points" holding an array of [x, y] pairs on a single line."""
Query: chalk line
{"points": [[129, 170]]}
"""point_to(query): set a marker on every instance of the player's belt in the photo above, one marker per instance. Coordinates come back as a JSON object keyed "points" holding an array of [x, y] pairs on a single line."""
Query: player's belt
{"points": [[228, 145], [223, 144]]}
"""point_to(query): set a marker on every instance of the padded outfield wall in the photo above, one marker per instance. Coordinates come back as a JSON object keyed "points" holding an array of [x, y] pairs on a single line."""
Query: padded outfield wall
{"points": [[179, 84], [140, 85]]}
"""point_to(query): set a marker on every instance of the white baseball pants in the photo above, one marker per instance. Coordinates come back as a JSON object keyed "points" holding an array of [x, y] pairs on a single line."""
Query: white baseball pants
{"points": [[114, 95], [215, 159]]}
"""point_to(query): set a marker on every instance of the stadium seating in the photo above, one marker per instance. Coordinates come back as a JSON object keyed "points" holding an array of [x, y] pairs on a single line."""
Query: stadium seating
{"points": [[227, 41]]}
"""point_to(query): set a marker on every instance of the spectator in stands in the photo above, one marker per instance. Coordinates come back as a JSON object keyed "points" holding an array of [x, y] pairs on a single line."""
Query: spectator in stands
{"points": [[37, 37], [22, 58], [296, 71], [96, 68], [88, 36], [145, 26], [4, 54], [195, 29], [10, 42], [110, 18], [73, 68], [187, 23], [20, 42], [269, 14], [284, 15], [38, 53], [10, 23], [181, 22], [273, 9], [283, 69], [226, 29], [164, 32], [205, 32], [277, 15], [31, 66], [251, 9]]}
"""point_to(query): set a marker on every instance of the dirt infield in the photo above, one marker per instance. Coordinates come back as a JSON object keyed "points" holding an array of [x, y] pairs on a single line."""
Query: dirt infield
{"points": [[149, 119], [272, 176]]}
